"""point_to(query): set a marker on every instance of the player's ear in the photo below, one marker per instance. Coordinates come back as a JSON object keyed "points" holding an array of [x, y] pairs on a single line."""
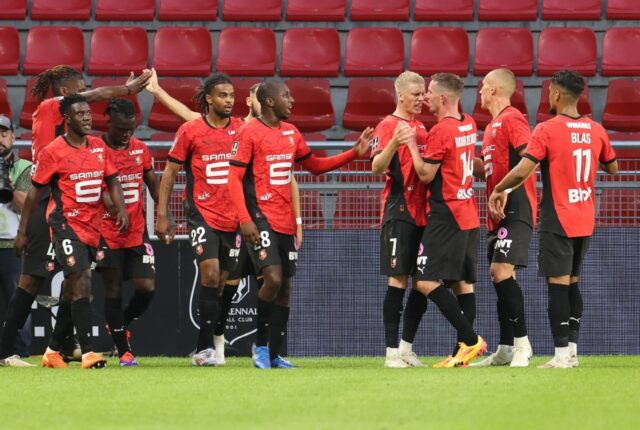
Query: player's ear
{"points": [[208, 98]]}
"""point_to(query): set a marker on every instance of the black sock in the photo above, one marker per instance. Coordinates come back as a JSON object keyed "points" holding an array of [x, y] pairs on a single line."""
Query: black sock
{"points": [[63, 331], [413, 312], [17, 313], [506, 329], [138, 305], [391, 312], [208, 317], [559, 313], [115, 320], [278, 329], [225, 306], [449, 307], [83, 321], [263, 318], [467, 303], [514, 300], [576, 306]]}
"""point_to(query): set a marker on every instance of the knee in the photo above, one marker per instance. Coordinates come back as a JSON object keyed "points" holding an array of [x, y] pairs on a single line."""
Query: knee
{"points": [[144, 286], [499, 273], [77, 286], [210, 277]]}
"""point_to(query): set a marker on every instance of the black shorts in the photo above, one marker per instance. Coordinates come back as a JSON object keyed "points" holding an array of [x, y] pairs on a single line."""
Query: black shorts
{"points": [[274, 249], [75, 256], [208, 243], [561, 256], [39, 258], [510, 244], [447, 253], [399, 243], [135, 263], [244, 267]]}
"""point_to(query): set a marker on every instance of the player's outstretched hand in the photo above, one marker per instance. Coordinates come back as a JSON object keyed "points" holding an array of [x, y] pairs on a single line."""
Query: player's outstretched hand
{"points": [[298, 237], [137, 84], [152, 84], [403, 134], [497, 202], [250, 233], [20, 243], [164, 230], [122, 221], [364, 141]]}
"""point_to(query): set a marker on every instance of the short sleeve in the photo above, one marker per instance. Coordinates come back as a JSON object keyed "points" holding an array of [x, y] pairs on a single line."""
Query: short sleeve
{"points": [[518, 132], [436, 146], [146, 159], [44, 168], [381, 137], [182, 145], [538, 146], [302, 149], [242, 148], [607, 154]]}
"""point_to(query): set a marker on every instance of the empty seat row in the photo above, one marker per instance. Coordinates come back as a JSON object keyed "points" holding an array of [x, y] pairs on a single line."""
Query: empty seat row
{"points": [[326, 10], [188, 51], [368, 101]]}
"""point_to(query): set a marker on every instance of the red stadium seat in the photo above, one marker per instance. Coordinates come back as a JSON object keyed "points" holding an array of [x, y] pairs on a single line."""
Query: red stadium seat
{"points": [[247, 51], [504, 47], [9, 51], [351, 137], [182, 51], [621, 52], [314, 10], [310, 52], [241, 87], [98, 108], [623, 9], [162, 137], [130, 10], [483, 117], [514, 10], [439, 49], [622, 110], [439, 10], [357, 209], [312, 108], [5, 107], [47, 47], [379, 10], [64, 10], [25, 153], [574, 9], [252, 10], [183, 90], [118, 50], [188, 10], [368, 101], [30, 104], [584, 106], [316, 137], [374, 52], [311, 208], [567, 48], [13, 9], [159, 154]]}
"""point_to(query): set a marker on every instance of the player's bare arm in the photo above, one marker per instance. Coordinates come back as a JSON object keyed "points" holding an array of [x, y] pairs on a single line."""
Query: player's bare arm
{"points": [[611, 167], [295, 197], [401, 136], [514, 179], [174, 105], [115, 190], [30, 204], [163, 224], [478, 168], [133, 86]]}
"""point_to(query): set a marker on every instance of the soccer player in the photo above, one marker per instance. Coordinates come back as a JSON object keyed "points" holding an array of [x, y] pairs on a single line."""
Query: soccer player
{"points": [[403, 216], [39, 257], [205, 145], [260, 187], [568, 148], [449, 244], [505, 141], [126, 256], [75, 165]]}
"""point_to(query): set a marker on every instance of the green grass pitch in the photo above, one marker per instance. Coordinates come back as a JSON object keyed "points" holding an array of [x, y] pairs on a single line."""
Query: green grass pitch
{"points": [[325, 393]]}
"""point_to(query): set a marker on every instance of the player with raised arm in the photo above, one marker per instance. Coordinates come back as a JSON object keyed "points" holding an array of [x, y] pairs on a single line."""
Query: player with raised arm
{"points": [[568, 148], [449, 244], [75, 165], [39, 257], [129, 256], [403, 216], [505, 141], [260, 187]]}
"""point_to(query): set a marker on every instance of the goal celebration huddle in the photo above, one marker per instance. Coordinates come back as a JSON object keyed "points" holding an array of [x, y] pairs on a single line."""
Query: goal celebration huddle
{"points": [[84, 213]]}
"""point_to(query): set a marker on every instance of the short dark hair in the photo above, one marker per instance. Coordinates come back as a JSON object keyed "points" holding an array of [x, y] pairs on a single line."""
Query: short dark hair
{"points": [[450, 82], [122, 107], [570, 81], [268, 89], [68, 101], [214, 79]]}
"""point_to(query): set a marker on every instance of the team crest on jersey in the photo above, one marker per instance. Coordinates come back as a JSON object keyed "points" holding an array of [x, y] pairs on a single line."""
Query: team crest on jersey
{"points": [[138, 160], [71, 261], [262, 255], [291, 142], [199, 250], [100, 158], [394, 261], [51, 266], [374, 142], [100, 255], [234, 147]]}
